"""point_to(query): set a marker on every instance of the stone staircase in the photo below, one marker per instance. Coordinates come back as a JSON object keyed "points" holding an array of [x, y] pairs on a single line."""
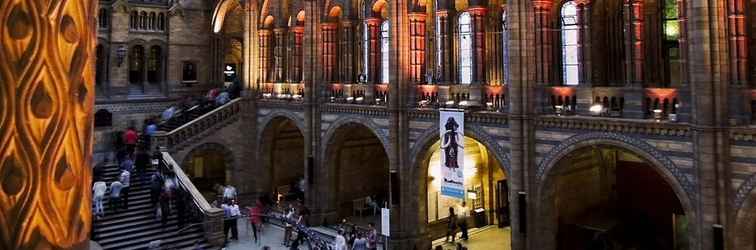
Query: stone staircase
{"points": [[194, 125], [136, 227]]}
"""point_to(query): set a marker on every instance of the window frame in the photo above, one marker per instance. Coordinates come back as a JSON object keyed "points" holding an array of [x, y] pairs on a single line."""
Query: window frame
{"points": [[569, 43], [465, 33]]}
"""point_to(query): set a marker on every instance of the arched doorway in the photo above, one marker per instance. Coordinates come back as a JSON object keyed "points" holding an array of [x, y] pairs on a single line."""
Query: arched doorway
{"points": [[207, 165], [100, 69], [486, 196], [605, 195], [283, 160], [358, 178], [155, 65], [136, 66]]}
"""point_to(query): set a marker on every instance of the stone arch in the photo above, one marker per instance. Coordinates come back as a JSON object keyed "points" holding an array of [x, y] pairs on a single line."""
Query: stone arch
{"points": [[682, 185], [420, 156], [476, 132], [220, 11], [381, 134], [744, 220], [269, 118], [229, 160]]}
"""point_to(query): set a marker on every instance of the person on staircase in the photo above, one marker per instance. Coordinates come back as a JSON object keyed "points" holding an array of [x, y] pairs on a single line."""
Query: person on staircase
{"points": [[156, 185], [130, 138], [99, 188], [127, 164], [141, 161], [180, 203], [115, 195], [165, 207], [125, 180]]}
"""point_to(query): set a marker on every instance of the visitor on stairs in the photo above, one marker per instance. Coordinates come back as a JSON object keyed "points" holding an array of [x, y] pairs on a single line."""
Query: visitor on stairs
{"points": [[180, 203], [99, 188], [115, 195], [141, 161], [165, 207], [156, 185], [127, 164], [125, 179], [130, 138]]}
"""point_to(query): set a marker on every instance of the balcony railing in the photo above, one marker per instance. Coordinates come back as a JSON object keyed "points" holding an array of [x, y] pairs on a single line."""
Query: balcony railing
{"points": [[199, 210], [281, 91], [218, 117], [660, 104], [367, 94]]}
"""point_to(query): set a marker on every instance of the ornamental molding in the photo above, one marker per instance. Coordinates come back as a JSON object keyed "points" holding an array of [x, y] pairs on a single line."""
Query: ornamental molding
{"points": [[743, 191], [150, 107], [377, 130], [615, 126]]}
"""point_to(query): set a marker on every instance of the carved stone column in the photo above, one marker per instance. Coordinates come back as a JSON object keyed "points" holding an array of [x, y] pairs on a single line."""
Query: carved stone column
{"points": [[443, 47], [279, 46], [417, 47], [265, 55], [46, 101], [329, 51], [634, 60], [346, 67], [296, 68], [543, 42], [374, 49]]}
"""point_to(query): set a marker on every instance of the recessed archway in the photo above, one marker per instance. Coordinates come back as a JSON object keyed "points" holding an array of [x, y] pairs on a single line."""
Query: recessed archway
{"points": [[358, 173], [207, 165], [605, 194], [486, 190], [283, 160]]}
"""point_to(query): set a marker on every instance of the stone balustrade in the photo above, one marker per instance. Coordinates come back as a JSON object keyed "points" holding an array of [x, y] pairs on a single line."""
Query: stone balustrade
{"points": [[220, 116], [210, 217], [281, 91]]}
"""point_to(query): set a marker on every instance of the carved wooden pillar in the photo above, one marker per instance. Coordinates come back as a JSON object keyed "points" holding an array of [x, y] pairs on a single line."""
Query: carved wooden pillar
{"points": [[634, 46], [443, 47], [46, 101], [296, 61], [346, 71], [264, 42], [417, 47], [373, 49], [279, 46], [329, 51], [543, 43], [478, 15]]}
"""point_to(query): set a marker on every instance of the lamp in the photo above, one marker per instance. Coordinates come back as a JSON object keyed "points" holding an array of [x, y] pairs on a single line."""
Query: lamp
{"points": [[657, 115], [596, 109], [121, 54]]}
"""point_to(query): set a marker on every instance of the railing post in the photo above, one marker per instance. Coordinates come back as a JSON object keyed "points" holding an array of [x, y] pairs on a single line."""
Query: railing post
{"points": [[213, 227]]}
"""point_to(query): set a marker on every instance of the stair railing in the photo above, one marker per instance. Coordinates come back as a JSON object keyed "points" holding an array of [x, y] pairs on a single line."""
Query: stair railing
{"points": [[200, 210], [217, 117]]}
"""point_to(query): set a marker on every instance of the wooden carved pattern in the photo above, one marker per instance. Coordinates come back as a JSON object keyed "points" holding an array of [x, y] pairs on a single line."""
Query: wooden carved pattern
{"points": [[46, 103]]}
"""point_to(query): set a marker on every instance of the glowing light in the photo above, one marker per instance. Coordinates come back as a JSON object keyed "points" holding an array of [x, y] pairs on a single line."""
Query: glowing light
{"points": [[596, 109]]}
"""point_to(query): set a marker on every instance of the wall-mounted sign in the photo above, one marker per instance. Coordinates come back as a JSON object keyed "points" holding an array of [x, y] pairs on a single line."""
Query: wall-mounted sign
{"points": [[229, 72]]}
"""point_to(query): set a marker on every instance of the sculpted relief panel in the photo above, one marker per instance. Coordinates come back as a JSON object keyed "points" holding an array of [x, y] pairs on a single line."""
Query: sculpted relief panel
{"points": [[46, 101]]}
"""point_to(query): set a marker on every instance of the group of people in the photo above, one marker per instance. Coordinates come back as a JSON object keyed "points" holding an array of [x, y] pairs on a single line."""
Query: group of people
{"points": [[349, 238], [458, 218], [213, 98]]}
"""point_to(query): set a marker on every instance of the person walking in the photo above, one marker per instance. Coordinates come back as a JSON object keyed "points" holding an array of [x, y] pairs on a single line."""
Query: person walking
{"points": [[229, 192], [125, 180], [372, 237], [235, 214], [339, 243], [288, 226], [180, 204], [130, 138], [165, 207], [255, 220], [451, 229], [464, 214], [127, 164], [141, 160], [156, 184], [115, 195], [360, 243], [99, 188]]}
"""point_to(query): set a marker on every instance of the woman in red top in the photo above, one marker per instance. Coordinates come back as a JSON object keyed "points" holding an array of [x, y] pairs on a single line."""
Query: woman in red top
{"points": [[255, 219]]}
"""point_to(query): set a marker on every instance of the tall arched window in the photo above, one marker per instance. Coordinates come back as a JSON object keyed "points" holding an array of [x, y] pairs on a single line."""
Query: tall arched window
{"points": [[570, 73], [385, 52], [153, 24], [465, 49], [143, 20], [672, 57], [102, 18], [134, 20], [505, 47], [161, 21]]}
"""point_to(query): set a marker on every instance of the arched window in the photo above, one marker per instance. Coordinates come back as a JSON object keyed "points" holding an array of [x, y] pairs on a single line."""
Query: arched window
{"points": [[143, 20], [505, 47], [570, 73], [134, 20], [153, 24], [161, 21], [672, 57], [385, 52], [465, 48], [102, 19]]}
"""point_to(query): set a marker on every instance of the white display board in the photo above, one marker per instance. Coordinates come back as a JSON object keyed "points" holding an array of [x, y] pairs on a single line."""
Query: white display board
{"points": [[385, 225]]}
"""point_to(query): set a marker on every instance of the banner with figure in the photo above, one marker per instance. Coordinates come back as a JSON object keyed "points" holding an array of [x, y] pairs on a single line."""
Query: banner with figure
{"points": [[451, 127]]}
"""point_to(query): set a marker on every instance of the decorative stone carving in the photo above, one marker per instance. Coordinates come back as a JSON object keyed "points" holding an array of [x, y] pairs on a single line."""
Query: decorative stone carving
{"points": [[743, 191], [46, 102]]}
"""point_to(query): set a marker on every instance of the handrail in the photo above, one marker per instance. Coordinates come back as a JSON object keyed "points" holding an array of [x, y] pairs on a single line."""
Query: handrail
{"points": [[212, 217], [220, 115], [230, 103]]}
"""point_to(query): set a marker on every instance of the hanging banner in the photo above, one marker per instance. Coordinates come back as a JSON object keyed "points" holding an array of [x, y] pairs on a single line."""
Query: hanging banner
{"points": [[451, 127]]}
